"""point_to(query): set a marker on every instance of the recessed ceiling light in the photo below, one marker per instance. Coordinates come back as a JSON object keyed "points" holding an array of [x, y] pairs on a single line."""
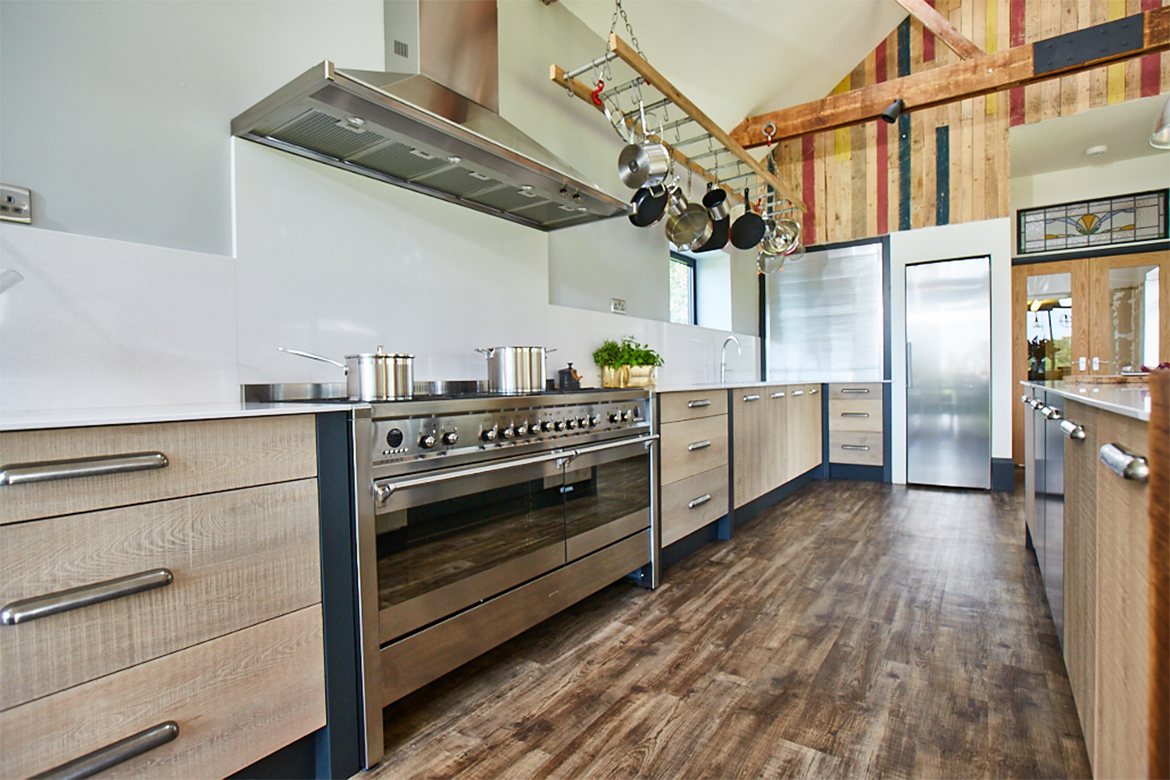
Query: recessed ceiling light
{"points": [[1096, 151]]}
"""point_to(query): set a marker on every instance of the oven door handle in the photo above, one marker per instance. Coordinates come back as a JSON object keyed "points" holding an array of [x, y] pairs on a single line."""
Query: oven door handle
{"points": [[384, 489], [648, 440]]}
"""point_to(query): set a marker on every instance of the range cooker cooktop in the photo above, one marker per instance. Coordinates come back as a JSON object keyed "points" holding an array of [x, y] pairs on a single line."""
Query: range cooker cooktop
{"points": [[461, 422]]}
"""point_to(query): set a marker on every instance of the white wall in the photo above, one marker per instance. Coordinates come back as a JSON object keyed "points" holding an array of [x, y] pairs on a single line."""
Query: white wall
{"points": [[116, 113], [948, 242], [215, 250]]}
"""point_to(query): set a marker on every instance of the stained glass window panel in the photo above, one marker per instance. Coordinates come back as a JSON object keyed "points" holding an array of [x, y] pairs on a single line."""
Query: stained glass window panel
{"points": [[1124, 219]]}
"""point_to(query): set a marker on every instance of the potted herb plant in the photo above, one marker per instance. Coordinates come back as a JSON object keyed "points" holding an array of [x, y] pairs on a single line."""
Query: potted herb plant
{"points": [[627, 363]]}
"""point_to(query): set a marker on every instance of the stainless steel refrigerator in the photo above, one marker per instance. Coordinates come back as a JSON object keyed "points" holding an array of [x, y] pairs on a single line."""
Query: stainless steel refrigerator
{"points": [[948, 373]]}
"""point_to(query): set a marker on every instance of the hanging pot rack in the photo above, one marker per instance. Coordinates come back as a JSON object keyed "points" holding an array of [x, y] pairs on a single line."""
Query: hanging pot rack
{"points": [[720, 145]]}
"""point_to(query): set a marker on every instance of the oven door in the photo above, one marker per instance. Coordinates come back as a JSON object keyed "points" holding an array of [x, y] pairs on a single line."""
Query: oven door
{"points": [[607, 495], [449, 539]]}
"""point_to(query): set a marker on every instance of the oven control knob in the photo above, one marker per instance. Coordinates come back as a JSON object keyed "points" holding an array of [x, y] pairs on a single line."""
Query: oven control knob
{"points": [[615, 417], [627, 415], [489, 434], [451, 438], [427, 441], [594, 420], [582, 422], [522, 429], [559, 425], [572, 425], [394, 438], [509, 432], [546, 426]]}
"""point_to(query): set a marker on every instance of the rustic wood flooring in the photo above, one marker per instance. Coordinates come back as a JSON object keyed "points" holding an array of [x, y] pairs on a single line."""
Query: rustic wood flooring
{"points": [[854, 630]]}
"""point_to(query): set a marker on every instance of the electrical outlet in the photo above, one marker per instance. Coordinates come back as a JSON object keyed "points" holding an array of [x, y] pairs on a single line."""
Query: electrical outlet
{"points": [[617, 305], [15, 204]]}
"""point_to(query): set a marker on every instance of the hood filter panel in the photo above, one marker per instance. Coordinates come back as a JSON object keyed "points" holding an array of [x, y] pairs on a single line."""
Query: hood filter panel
{"points": [[322, 133], [400, 161]]}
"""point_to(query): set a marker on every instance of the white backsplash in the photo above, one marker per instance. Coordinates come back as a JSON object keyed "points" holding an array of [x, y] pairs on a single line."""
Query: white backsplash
{"points": [[97, 322], [325, 261]]}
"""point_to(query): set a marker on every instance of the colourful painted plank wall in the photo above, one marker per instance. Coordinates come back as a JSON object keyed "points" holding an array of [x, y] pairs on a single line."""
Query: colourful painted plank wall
{"points": [[952, 164]]}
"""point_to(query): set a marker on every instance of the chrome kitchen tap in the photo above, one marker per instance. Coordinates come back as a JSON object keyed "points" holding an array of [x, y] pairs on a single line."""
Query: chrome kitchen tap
{"points": [[723, 357]]}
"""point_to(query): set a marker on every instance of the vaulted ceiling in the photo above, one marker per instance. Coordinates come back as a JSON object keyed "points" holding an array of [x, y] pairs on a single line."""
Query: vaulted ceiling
{"points": [[734, 58]]}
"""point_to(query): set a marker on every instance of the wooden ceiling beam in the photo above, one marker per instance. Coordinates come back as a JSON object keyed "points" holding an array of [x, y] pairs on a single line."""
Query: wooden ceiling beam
{"points": [[1103, 44], [942, 28]]}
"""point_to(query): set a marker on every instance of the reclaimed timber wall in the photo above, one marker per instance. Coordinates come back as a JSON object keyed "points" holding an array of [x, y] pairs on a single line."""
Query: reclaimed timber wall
{"points": [[952, 163]]}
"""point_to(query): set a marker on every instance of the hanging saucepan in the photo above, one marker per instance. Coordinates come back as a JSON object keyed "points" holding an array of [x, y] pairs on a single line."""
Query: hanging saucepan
{"points": [[688, 225], [719, 232], [786, 235], [648, 206], [717, 204], [795, 253], [645, 163], [372, 376], [747, 231]]}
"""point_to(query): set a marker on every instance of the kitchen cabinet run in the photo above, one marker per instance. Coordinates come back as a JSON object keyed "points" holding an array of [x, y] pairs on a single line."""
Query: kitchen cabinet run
{"points": [[693, 427], [152, 559], [1091, 532], [777, 435]]}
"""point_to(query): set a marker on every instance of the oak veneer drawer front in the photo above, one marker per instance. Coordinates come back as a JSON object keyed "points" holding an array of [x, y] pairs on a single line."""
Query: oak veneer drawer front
{"points": [[855, 391], [237, 558], [687, 406], [235, 700], [691, 503], [692, 446], [855, 415], [860, 449], [201, 457]]}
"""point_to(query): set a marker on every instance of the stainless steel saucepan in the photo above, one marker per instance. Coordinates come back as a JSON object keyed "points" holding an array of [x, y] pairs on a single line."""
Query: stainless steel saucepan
{"points": [[372, 376], [516, 370]]}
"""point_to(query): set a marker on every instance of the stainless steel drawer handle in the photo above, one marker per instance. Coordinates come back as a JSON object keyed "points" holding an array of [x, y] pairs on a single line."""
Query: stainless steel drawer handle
{"points": [[855, 447], [751, 398], [25, 610], [854, 389], [699, 501], [1035, 403], [798, 392], [111, 755], [1024, 399], [855, 414], [777, 395], [697, 404], [1072, 430], [1124, 463], [1051, 413], [814, 391], [698, 445], [52, 470]]}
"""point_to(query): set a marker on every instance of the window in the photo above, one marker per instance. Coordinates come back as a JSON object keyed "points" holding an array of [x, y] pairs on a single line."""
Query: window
{"points": [[682, 289]]}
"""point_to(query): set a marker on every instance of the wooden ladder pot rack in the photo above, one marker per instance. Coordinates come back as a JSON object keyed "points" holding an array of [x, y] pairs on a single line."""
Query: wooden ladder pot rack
{"points": [[619, 49]]}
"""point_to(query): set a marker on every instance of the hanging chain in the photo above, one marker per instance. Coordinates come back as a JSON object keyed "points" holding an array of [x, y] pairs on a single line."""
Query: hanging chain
{"points": [[617, 9]]}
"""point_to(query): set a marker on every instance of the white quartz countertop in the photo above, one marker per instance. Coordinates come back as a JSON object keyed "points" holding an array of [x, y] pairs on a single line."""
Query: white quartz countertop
{"points": [[686, 388], [1129, 400], [129, 415]]}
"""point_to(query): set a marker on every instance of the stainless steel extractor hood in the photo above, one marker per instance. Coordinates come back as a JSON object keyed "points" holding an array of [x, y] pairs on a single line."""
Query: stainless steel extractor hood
{"points": [[431, 125]]}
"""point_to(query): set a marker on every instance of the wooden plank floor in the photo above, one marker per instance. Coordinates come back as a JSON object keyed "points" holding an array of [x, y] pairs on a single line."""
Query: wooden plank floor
{"points": [[854, 630]]}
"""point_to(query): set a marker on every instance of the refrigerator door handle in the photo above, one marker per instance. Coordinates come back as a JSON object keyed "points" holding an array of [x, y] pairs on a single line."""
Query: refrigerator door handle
{"points": [[909, 367]]}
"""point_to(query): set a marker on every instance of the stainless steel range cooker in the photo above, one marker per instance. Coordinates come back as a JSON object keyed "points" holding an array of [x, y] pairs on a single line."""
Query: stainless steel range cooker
{"points": [[477, 516]]}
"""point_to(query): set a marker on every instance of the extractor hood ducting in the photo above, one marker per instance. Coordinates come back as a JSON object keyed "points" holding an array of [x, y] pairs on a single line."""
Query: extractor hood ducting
{"points": [[428, 129]]}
